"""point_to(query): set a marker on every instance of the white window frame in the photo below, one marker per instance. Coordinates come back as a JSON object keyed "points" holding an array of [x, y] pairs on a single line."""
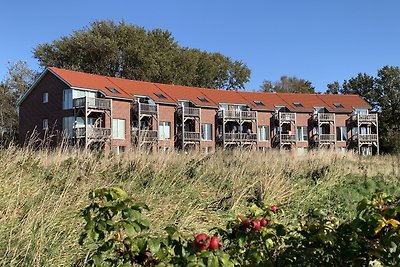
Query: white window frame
{"points": [[206, 130], [303, 133], [343, 133], [118, 133], [266, 131], [45, 124], [163, 132], [45, 97]]}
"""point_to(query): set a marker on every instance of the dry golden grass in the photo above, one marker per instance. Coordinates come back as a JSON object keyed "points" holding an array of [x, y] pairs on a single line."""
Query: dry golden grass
{"points": [[42, 192]]}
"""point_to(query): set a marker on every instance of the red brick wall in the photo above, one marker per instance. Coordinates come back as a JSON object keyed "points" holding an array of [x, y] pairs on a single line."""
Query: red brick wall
{"points": [[303, 119], [167, 113], [32, 110], [121, 110], [264, 119], [207, 115]]}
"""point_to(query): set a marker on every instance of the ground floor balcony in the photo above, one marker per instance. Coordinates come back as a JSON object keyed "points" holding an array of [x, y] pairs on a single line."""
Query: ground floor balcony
{"points": [[190, 137], [146, 136], [367, 138], [93, 133], [240, 137]]}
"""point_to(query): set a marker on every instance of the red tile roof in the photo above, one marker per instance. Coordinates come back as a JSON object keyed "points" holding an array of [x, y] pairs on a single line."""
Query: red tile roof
{"points": [[173, 93]]}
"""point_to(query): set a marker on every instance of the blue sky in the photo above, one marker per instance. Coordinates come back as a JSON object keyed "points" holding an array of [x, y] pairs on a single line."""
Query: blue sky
{"points": [[318, 40]]}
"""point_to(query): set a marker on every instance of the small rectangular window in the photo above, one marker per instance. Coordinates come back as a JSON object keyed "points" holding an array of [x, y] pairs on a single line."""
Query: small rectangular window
{"points": [[258, 103], [302, 133], [263, 133], [203, 99], [159, 95], [206, 131], [338, 105], [341, 133], [164, 130], [45, 97], [112, 90], [67, 99], [297, 105], [45, 124], [118, 128]]}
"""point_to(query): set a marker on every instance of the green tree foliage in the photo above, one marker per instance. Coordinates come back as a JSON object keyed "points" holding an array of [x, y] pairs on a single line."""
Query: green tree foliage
{"points": [[18, 79], [129, 51], [288, 85], [383, 93]]}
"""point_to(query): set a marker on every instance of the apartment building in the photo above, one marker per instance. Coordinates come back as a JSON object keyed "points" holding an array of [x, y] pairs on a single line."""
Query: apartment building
{"points": [[95, 111]]}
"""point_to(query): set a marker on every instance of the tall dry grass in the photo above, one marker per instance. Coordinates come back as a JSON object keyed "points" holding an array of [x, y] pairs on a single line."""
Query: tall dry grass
{"points": [[42, 191]]}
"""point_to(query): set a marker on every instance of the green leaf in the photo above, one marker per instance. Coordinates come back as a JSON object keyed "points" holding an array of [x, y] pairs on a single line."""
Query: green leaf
{"points": [[98, 260], [154, 245]]}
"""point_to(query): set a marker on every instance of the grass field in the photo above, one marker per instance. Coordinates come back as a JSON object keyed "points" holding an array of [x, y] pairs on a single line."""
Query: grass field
{"points": [[42, 192]]}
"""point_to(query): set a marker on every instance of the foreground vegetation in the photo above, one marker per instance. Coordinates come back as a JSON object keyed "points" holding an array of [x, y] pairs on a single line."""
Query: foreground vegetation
{"points": [[43, 192]]}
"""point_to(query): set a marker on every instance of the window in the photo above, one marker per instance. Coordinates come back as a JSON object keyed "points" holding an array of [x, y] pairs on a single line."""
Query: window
{"points": [[297, 105], [203, 99], [118, 128], [164, 130], [112, 90], [67, 99], [302, 133], [258, 103], [159, 95], [338, 105], [45, 124], [341, 133], [67, 126], [206, 131], [45, 97], [263, 133]]}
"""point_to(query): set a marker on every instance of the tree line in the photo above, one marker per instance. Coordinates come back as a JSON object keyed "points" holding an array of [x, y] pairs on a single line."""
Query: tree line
{"points": [[132, 52]]}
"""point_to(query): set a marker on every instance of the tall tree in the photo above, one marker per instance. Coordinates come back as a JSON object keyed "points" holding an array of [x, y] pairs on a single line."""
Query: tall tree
{"points": [[288, 85], [333, 88], [129, 51]]}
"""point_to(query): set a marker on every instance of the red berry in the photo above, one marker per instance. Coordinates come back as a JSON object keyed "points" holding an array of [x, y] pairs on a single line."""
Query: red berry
{"points": [[247, 224], [255, 224], [263, 222], [202, 241], [274, 208], [214, 243]]}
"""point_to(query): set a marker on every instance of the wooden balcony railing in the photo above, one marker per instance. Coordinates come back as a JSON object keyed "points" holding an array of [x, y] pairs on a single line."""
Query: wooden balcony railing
{"points": [[191, 136], [92, 102], [287, 138], [326, 138], [368, 137], [326, 117], [147, 108], [287, 116], [240, 137], [367, 117], [237, 114], [147, 135], [191, 112], [93, 132]]}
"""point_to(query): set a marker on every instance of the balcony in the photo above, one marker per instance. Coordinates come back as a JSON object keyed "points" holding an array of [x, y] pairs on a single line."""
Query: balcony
{"points": [[366, 117], [287, 138], [240, 137], [237, 114], [147, 135], [287, 116], [92, 103], [93, 133], [147, 109], [368, 138], [191, 136], [326, 138], [189, 112], [325, 117]]}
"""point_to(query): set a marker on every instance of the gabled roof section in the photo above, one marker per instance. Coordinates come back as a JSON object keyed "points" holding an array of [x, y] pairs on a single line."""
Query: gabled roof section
{"points": [[148, 89], [349, 102], [270, 100], [89, 81], [179, 93], [302, 102]]}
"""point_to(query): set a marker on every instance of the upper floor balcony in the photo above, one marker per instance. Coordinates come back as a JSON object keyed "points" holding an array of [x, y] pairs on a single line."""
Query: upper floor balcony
{"points": [[286, 116], [189, 111], [92, 103], [237, 115], [148, 109], [324, 117], [365, 117]]}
